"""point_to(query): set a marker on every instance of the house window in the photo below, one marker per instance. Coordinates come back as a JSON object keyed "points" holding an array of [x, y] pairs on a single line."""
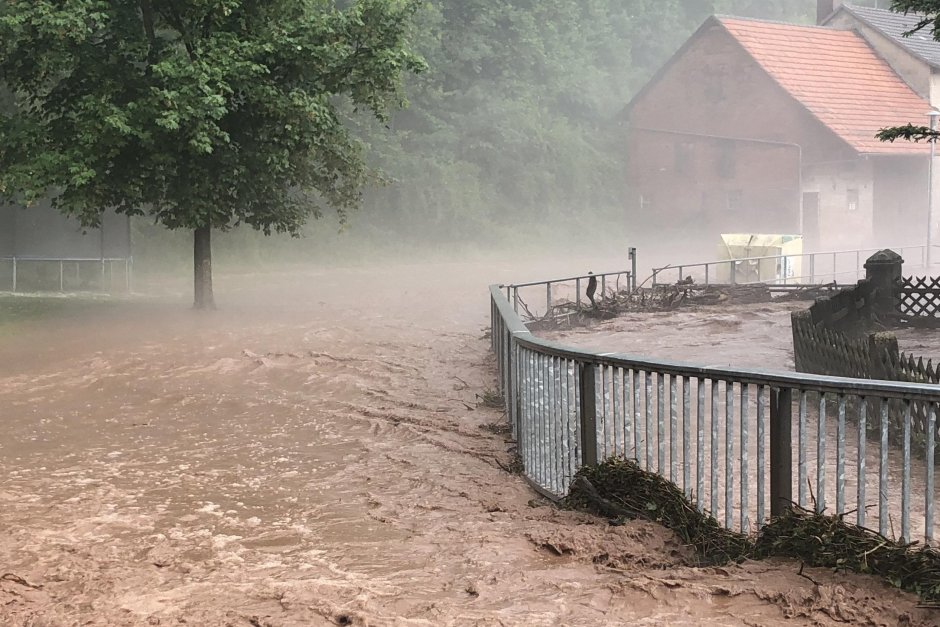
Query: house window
{"points": [[727, 160], [852, 200], [735, 197], [684, 154]]}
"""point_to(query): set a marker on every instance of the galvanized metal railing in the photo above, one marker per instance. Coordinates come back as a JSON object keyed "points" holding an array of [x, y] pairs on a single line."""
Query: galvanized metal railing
{"points": [[555, 288], [106, 269], [735, 440], [845, 266]]}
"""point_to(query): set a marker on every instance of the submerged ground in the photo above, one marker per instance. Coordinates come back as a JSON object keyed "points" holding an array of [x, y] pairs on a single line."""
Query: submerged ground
{"points": [[314, 453]]}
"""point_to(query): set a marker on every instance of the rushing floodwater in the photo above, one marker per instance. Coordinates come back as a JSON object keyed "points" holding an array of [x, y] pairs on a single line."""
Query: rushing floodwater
{"points": [[314, 454]]}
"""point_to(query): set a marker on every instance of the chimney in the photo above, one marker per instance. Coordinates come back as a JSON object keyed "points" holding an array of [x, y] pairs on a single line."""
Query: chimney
{"points": [[825, 8]]}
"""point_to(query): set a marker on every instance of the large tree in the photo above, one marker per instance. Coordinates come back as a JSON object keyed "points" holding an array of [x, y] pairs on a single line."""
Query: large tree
{"points": [[203, 114]]}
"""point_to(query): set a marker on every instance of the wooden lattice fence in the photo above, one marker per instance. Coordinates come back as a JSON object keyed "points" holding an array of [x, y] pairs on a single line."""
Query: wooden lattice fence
{"points": [[919, 298], [829, 344]]}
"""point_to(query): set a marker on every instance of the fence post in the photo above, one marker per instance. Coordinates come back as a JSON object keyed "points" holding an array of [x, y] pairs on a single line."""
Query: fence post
{"points": [[781, 451], [588, 414], [632, 270], [883, 270], [800, 322]]}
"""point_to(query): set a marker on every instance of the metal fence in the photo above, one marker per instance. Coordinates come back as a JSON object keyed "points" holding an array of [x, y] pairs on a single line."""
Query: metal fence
{"points": [[919, 298], [840, 266], [566, 289], [736, 441], [68, 273]]}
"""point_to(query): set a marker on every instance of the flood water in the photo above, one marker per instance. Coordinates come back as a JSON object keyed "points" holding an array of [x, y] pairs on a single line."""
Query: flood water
{"points": [[315, 453]]}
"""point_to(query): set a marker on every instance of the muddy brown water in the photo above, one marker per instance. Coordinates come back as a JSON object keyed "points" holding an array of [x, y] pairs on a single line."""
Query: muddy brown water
{"points": [[314, 453]]}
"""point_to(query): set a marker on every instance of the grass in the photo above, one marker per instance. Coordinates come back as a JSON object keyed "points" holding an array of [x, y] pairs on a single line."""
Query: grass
{"points": [[22, 309]]}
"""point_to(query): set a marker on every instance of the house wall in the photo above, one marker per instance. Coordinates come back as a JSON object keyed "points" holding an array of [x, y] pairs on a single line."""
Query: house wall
{"points": [[687, 183], [901, 200], [846, 193]]}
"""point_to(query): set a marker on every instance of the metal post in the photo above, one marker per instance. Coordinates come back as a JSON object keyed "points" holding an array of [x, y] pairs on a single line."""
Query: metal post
{"points": [[781, 451], [734, 272], [548, 299], [588, 414], [933, 126], [812, 268], [577, 289], [632, 270], [61, 276], [515, 299], [14, 275]]}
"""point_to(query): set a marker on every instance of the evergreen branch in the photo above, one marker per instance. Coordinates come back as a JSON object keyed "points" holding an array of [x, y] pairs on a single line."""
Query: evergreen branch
{"points": [[908, 133]]}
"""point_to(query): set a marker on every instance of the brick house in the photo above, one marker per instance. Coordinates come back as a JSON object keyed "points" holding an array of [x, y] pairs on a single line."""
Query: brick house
{"points": [[766, 127]]}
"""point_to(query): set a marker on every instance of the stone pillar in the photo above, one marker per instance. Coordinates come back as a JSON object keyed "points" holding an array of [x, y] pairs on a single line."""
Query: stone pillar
{"points": [[883, 272]]}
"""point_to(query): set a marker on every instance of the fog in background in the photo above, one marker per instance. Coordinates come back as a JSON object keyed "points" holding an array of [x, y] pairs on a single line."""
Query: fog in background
{"points": [[514, 138]]}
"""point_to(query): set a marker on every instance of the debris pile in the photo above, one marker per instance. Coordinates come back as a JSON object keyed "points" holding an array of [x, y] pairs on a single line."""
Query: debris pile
{"points": [[619, 489]]}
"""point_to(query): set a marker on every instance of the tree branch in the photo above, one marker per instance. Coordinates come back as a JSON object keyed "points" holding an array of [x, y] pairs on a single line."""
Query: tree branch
{"points": [[173, 17], [908, 133], [146, 11]]}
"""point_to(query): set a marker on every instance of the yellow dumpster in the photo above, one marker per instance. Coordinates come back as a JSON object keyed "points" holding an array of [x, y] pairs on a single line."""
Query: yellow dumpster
{"points": [[764, 258]]}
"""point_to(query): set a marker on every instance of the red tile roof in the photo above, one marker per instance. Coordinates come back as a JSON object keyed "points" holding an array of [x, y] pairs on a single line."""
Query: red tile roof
{"points": [[838, 77]]}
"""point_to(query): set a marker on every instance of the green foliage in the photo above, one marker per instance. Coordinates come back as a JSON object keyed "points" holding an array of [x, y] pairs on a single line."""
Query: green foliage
{"points": [[196, 112]]}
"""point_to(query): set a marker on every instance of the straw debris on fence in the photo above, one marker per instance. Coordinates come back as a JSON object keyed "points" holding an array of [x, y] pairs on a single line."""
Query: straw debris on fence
{"points": [[830, 542], [620, 489], [656, 299]]}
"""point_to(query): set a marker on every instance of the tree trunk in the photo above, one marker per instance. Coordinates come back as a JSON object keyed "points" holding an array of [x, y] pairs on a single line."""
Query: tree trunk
{"points": [[202, 267]]}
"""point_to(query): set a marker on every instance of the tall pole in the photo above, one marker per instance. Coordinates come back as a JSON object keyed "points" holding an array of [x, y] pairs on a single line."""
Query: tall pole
{"points": [[933, 149]]}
